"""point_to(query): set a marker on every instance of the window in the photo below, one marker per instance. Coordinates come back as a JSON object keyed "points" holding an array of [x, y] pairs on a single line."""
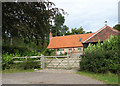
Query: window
{"points": [[58, 49], [65, 50], [79, 49], [61, 49], [70, 49], [80, 39]]}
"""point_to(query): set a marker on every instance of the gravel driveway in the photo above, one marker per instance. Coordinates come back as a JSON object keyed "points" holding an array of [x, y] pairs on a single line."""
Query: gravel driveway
{"points": [[48, 76]]}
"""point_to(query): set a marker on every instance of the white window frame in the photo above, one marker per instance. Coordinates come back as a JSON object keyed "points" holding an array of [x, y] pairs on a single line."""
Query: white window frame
{"points": [[79, 49], [70, 50], [61, 49]]}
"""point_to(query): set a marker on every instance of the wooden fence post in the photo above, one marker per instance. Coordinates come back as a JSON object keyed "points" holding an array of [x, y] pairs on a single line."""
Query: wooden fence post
{"points": [[26, 58], [42, 62], [68, 65]]}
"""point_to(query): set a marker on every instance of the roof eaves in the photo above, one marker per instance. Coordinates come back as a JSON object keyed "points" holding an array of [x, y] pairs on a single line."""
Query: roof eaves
{"points": [[64, 47]]}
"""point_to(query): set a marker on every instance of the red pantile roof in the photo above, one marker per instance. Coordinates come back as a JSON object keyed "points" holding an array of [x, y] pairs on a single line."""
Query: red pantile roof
{"points": [[102, 34], [71, 41], [68, 41]]}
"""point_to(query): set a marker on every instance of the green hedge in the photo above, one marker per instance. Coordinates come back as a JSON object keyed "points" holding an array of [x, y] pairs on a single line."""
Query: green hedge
{"points": [[19, 51], [102, 57], [48, 52], [13, 50], [26, 65], [7, 63], [9, 52]]}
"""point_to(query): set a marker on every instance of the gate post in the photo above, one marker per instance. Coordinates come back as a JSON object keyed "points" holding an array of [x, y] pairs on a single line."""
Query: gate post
{"points": [[42, 62], [68, 64]]}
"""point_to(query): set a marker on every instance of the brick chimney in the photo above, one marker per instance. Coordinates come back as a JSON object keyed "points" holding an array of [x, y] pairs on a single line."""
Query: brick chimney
{"points": [[50, 36]]}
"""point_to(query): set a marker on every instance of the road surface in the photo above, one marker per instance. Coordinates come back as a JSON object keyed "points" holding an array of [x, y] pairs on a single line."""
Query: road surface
{"points": [[48, 76]]}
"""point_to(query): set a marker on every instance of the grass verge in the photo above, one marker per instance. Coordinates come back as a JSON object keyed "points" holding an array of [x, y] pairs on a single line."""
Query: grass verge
{"points": [[18, 70], [107, 78]]}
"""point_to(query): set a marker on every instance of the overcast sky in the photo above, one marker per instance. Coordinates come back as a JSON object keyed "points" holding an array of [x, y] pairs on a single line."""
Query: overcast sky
{"points": [[90, 14]]}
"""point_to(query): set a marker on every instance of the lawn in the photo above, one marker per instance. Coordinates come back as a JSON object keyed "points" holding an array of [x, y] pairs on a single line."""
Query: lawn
{"points": [[107, 78]]}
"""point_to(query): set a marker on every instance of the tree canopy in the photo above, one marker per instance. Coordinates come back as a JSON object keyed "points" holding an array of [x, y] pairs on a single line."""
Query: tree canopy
{"points": [[29, 22], [77, 31], [59, 29], [117, 27]]}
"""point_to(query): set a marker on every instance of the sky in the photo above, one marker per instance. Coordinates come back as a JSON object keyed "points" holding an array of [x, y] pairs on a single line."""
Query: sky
{"points": [[90, 14]]}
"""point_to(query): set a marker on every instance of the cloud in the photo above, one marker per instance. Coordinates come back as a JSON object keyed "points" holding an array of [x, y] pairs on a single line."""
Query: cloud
{"points": [[90, 14]]}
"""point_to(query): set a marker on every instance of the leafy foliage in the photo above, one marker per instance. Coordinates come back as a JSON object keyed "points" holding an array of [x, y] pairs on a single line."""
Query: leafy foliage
{"points": [[6, 61], [77, 31], [117, 27], [28, 24], [19, 51], [102, 57], [26, 65], [59, 29], [48, 52], [28, 19]]}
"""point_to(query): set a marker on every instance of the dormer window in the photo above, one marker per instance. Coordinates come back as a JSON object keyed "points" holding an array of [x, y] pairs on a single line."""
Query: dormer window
{"points": [[80, 39]]}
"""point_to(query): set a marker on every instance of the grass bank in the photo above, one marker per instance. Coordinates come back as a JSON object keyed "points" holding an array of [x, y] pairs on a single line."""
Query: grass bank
{"points": [[107, 78]]}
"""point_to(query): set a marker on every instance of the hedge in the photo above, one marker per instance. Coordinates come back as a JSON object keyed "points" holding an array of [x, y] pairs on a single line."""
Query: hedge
{"points": [[102, 57]]}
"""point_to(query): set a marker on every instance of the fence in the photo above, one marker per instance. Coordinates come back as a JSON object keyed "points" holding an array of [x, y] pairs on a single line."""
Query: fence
{"points": [[43, 60]]}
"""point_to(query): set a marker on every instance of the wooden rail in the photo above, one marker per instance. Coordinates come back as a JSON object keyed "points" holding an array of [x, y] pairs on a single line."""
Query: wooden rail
{"points": [[37, 57], [42, 59]]}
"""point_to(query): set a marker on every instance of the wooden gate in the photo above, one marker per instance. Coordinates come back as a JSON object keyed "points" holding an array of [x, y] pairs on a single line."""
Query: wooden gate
{"points": [[65, 62]]}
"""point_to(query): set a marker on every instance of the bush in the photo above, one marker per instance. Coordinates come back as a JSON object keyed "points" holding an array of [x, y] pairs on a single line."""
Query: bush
{"points": [[13, 50], [26, 65], [7, 61], [48, 52], [102, 57], [19, 51]]}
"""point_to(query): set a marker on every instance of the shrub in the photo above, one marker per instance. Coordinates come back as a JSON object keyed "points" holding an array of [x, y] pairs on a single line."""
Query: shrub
{"points": [[26, 65], [48, 52], [7, 61], [102, 57], [13, 50]]}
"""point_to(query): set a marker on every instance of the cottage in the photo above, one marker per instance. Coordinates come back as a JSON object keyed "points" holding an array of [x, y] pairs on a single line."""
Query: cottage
{"points": [[76, 43]]}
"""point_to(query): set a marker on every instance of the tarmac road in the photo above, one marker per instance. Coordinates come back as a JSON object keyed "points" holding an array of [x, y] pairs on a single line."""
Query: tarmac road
{"points": [[47, 77]]}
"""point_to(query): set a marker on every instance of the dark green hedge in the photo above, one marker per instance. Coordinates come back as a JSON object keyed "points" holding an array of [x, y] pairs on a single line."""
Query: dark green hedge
{"points": [[102, 57], [12, 49], [21, 51]]}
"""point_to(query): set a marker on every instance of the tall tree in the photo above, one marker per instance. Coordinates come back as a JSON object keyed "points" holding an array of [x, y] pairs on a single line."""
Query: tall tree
{"points": [[28, 21], [59, 21], [59, 28], [63, 30], [68, 33], [77, 31]]}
